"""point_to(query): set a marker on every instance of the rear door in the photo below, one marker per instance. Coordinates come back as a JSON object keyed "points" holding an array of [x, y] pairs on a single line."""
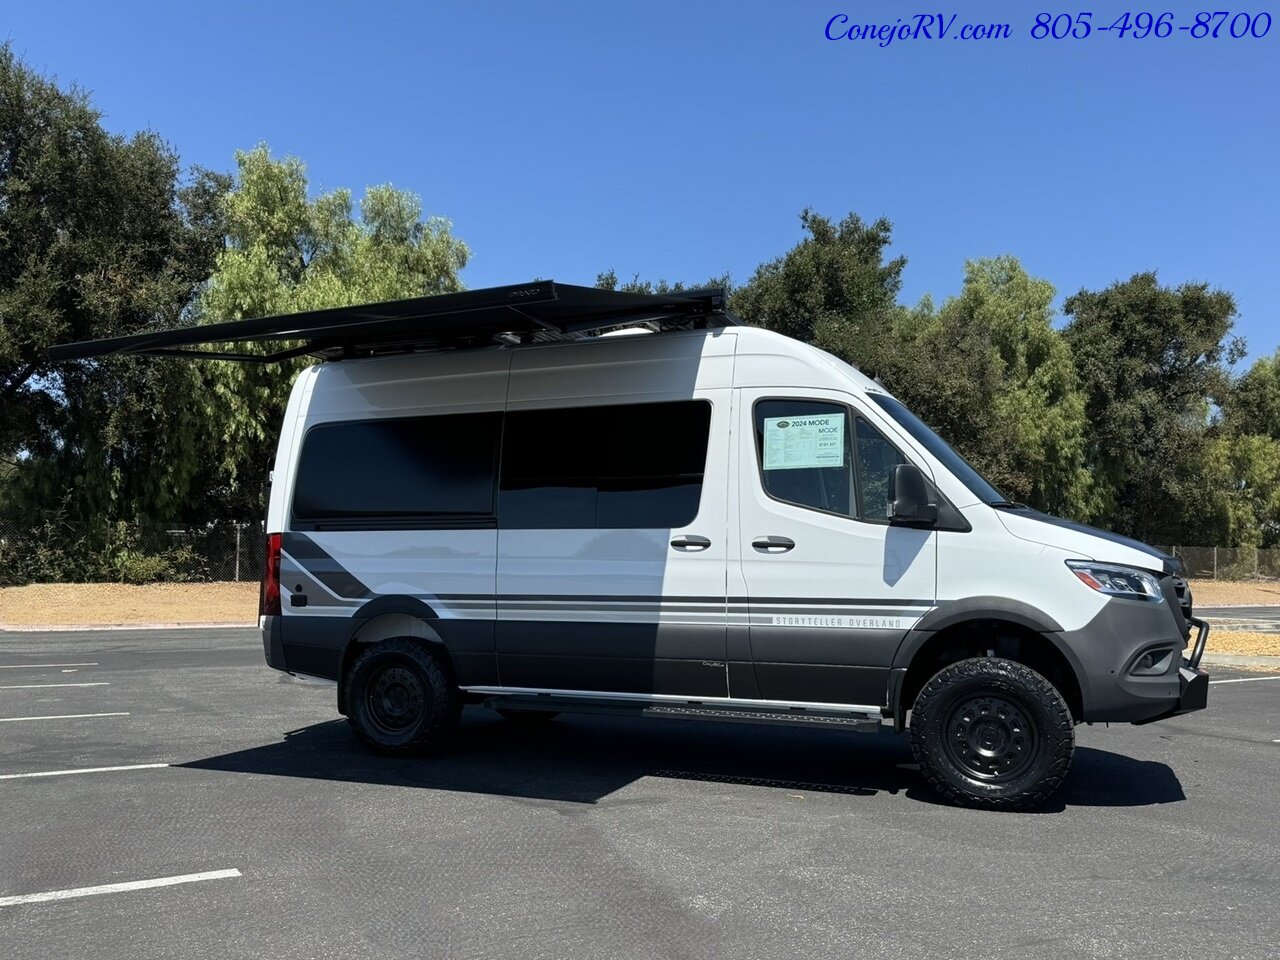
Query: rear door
{"points": [[612, 544], [830, 587]]}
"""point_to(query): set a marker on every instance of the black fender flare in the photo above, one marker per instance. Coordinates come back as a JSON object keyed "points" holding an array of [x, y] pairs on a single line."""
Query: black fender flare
{"points": [[392, 603], [952, 612], [378, 607]]}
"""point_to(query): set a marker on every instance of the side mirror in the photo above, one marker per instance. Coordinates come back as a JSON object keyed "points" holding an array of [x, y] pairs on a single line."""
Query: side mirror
{"points": [[909, 503]]}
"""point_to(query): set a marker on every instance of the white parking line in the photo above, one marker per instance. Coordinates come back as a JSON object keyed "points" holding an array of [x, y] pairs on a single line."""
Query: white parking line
{"points": [[64, 716], [67, 773], [1244, 679], [41, 686], [34, 666], [117, 887]]}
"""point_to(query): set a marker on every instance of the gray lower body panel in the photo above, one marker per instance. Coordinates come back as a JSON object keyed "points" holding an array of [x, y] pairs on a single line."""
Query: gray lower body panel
{"points": [[1107, 649], [676, 658]]}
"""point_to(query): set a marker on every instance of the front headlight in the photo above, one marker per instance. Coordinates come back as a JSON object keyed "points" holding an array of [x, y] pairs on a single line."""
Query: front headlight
{"points": [[1117, 581]]}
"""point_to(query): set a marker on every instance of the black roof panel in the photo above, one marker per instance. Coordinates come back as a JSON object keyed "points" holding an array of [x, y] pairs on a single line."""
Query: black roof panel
{"points": [[523, 313]]}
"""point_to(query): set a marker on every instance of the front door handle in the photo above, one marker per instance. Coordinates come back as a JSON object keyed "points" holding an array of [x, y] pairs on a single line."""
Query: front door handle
{"points": [[691, 543], [773, 544]]}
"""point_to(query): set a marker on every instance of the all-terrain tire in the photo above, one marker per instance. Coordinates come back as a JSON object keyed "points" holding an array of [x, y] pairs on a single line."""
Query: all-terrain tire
{"points": [[399, 700], [527, 718], [993, 734]]}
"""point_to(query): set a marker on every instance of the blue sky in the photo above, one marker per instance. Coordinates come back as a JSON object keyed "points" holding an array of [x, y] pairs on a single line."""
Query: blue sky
{"points": [[681, 140]]}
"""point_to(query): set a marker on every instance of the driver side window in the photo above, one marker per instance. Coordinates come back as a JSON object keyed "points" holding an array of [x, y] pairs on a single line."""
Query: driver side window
{"points": [[806, 454], [876, 459], [816, 454]]}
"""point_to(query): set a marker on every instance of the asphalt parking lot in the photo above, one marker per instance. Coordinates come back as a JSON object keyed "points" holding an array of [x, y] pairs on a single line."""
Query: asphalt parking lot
{"points": [[592, 838], [1262, 619]]}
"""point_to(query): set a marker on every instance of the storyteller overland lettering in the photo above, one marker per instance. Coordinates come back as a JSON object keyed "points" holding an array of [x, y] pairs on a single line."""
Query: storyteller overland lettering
{"points": [[847, 622]]}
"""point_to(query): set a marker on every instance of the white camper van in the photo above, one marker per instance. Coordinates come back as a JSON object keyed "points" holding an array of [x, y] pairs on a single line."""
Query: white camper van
{"points": [[544, 498]]}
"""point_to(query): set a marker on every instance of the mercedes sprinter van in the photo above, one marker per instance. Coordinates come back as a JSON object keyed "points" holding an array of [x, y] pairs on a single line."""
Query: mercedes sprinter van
{"points": [[584, 499]]}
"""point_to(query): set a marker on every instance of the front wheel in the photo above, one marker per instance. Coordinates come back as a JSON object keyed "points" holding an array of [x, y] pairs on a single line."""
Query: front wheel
{"points": [[399, 700], [992, 733]]}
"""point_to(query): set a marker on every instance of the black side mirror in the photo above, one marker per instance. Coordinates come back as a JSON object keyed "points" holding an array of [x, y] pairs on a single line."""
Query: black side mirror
{"points": [[909, 502]]}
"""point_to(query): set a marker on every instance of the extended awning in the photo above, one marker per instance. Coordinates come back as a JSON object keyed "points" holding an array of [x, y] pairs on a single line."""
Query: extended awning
{"points": [[535, 312]]}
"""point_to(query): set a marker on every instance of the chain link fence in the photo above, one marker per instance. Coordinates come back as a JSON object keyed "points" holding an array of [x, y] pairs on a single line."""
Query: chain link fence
{"points": [[1228, 563], [63, 552]]}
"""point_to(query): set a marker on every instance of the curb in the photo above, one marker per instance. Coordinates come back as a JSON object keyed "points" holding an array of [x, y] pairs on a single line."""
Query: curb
{"points": [[81, 627], [1236, 660], [1234, 606]]}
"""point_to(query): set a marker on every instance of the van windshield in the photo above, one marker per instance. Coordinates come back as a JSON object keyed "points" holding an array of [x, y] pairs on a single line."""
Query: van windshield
{"points": [[978, 485]]}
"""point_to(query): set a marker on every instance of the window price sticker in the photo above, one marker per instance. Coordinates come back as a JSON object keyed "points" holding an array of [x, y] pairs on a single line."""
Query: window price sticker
{"points": [[793, 443]]}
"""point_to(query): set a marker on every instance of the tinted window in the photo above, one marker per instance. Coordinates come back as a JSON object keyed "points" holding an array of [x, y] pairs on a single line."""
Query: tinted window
{"points": [[805, 453], [876, 459], [636, 465], [960, 468], [422, 467]]}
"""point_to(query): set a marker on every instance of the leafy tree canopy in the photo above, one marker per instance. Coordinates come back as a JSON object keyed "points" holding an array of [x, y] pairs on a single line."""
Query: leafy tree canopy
{"points": [[609, 281], [1151, 360], [97, 237], [287, 252], [1252, 404], [991, 374], [834, 278]]}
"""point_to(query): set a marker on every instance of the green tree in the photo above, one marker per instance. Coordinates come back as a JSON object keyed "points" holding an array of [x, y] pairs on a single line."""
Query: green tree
{"points": [[97, 237], [287, 252], [833, 289], [609, 281], [987, 369], [1151, 361], [1245, 457], [1245, 471], [991, 374], [1252, 404]]}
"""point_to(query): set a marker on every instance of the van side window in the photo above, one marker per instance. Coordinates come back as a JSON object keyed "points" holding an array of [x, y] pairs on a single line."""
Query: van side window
{"points": [[436, 469], [805, 453], [631, 465], [876, 459]]}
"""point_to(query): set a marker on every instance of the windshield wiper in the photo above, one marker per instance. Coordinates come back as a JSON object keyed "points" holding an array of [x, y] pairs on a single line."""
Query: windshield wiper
{"points": [[1007, 505]]}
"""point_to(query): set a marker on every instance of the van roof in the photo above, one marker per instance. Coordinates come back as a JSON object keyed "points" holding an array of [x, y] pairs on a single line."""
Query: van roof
{"points": [[538, 312]]}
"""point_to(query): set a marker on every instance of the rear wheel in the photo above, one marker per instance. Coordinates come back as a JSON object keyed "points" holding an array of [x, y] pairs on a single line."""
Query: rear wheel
{"points": [[399, 700], [992, 733]]}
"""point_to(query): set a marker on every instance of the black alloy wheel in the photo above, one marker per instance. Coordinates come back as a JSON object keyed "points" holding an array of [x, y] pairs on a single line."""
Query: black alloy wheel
{"points": [[992, 733], [399, 699], [991, 738]]}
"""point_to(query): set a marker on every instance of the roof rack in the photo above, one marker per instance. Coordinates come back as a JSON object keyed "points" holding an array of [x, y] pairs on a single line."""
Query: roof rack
{"points": [[538, 312]]}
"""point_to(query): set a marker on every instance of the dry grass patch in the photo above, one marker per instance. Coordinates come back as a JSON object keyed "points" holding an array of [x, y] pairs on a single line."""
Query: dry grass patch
{"points": [[1228, 593], [1243, 643], [101, 604]]}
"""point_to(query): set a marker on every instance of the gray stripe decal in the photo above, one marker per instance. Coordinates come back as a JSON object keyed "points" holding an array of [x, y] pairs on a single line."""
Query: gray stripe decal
{"points": [[312, 557], [658, 598]]}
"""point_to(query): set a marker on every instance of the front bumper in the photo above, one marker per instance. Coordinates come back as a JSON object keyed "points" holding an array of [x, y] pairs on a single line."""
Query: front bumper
{"points": [[1193, 683], [1116, 687]]}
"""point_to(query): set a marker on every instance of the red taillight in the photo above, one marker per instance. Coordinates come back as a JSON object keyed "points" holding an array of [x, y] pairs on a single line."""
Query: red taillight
{"points": [[270, 605]]}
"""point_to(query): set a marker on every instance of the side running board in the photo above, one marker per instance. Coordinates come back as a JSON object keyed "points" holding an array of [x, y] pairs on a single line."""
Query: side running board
{"points": [[861, 723], [854, 718]]}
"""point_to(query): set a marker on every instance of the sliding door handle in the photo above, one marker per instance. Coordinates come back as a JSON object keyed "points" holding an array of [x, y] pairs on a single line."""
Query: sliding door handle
{"points": [[691, 543], [773, 544]]}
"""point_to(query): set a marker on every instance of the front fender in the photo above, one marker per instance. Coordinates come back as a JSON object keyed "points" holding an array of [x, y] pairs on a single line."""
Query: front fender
{"points": [[953, 612]]}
